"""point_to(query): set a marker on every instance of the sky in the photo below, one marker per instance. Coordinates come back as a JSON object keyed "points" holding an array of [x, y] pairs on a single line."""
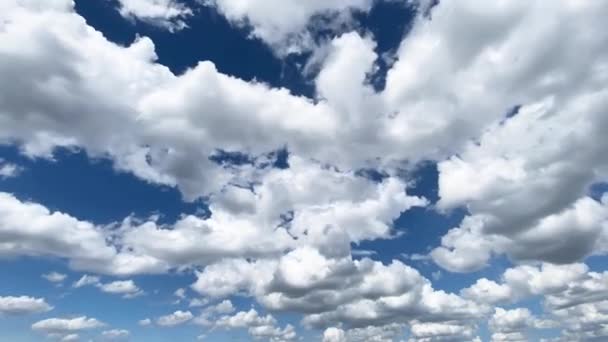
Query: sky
{"points": [[319, 170]]}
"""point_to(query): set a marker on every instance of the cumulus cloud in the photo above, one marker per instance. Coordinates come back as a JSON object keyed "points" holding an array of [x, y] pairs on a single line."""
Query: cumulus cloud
{"points": [[177, 318], [8, 170], [22, 305], [574, 299], [510, 325], [70, 338], [56, 234], [145, 322], [169, 14], [66, 326], [506, 99], [125, 288], [115, 334], [54, 277], [286, 25], [259, 327], [357, 293]]}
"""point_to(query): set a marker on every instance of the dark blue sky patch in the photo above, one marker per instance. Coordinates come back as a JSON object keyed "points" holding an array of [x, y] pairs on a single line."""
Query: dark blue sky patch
{"points": [[425, 181], [90, 189], [389, 22]]}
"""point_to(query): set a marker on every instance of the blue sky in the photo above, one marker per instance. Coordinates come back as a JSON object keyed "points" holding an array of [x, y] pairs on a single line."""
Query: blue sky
{"points": [[279, 170]]}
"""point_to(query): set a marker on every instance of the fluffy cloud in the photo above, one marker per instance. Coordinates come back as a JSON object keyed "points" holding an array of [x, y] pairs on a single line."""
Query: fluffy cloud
{"points": [[125, 288], [523, 281], [70, 338], [170, 14], [65, 326], [23, 305], [8, 170], [357, 293], [334, 335], [510, 325], [284, 236], [259, 327], [59, 235], [115, 334], [54, 277], [426, 332], [387, 333], [145, 322], [575, 299], [524, 180], [286, 25], [210, 313], [177, 318], [559, 228]]}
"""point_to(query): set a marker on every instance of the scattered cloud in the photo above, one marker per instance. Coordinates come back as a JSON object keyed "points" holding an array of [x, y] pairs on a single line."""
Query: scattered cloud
{"points": [[22, 305], [177, 318]]}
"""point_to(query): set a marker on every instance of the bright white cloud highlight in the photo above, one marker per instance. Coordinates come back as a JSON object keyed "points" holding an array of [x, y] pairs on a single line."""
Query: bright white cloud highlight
{"points": [[22, 305]]}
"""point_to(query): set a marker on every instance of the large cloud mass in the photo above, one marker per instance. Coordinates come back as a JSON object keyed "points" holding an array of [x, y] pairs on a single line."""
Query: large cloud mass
{"points": [[508, 98]]}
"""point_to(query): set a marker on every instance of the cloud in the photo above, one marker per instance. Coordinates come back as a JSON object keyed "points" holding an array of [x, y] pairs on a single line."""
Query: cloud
{"points": [[56, 234], [169, 14], [23, 305], [9, 170], [285, 25], [387, 333], [574, 299], [86, 280], [126, 288], [70, 338], [510, 325], [210, 313], [66, 325], [259, 327], [115, 334], [284, 236], [357, 293], [334, 335], [54, 277], [145, 322], [177, 318], [423, 332]]}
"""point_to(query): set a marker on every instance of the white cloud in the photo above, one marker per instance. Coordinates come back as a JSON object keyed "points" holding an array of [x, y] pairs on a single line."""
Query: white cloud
{"points": [[86, 280], [426, 332], [145, 322], [115, 334], [54, 277], [126, 288], [170, 14], [66, 325], [209, 314], [259, 327], [9, 170], [21, 305], [56, 234], [70, 338], [334, 335], [284, 24], [510, 325], [284, 236], [180, 293], [336, 290], [177, 318]]}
